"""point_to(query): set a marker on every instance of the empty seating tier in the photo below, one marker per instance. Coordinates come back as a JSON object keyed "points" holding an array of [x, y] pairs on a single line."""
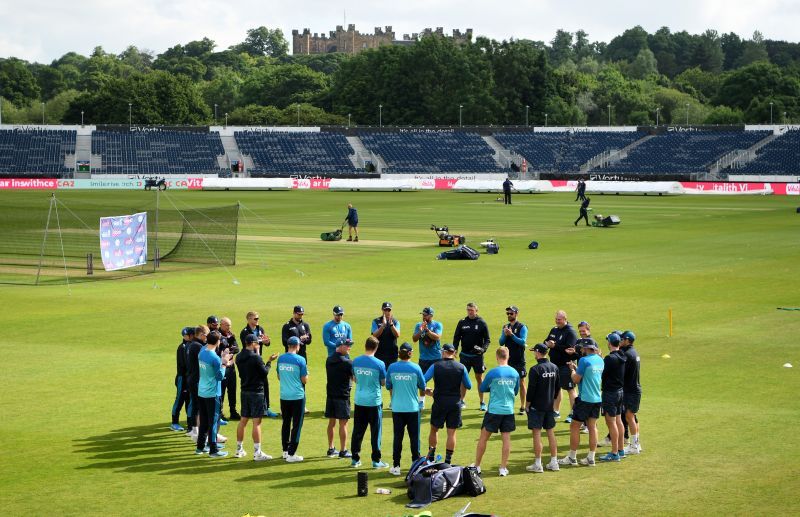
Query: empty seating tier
{"points": [[35, 152], [297, 152], [157, 152], [779, 157], [432, 152]]}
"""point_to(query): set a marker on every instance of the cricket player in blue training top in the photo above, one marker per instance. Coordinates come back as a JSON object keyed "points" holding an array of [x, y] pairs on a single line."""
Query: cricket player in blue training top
{"points": [[502, 385], [292, 374], [588, 376], [336, 331], [429, 334], [370, 376], [403, 380], [212, 371]]}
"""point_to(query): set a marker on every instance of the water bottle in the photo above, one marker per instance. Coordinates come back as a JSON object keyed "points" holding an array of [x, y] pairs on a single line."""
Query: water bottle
{"points": [[363, 487], [384, 491]]}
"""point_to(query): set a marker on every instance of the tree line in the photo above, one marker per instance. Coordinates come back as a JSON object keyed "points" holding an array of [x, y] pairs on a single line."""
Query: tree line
{"points": [[635, 79]]}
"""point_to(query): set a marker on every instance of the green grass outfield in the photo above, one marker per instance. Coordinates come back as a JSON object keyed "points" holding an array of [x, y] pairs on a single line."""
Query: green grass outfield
{"points": [[87, 379]]}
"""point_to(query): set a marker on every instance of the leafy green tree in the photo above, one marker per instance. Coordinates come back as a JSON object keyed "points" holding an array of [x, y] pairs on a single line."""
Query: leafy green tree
{"points": [[17, 83], [561, 48], [139, 60], [627, 46], [754, 50], [708, 53], [282, 85], [701, 85], [262, 41], [254, 115], [644, 65], [724, 115], [50, 80]]}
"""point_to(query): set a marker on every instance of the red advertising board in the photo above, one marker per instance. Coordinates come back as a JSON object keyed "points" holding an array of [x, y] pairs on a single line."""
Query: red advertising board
{"points": [[28, 183]]}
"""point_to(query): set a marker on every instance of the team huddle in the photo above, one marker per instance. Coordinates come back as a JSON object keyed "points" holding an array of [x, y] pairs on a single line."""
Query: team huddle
{"points": [[209, 358]]}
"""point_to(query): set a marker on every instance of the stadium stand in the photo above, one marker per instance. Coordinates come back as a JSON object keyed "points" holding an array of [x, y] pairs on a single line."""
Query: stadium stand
{"points": [[565, 151], [779, 157], [36, 152], [284, 152], [684, 152], [432, 152], [157, 152]]}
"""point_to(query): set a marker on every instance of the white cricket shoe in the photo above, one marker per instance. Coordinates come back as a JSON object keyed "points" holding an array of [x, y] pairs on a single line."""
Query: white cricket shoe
{"points": [[553, 465], [534, 468], [260, 456], [395, 471], [503, 472], [633, 448], [294, 459], [566, 460], [240, 453]]}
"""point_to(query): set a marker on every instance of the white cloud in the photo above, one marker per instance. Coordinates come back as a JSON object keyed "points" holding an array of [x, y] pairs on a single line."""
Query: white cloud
{"points": [[46, 29]]}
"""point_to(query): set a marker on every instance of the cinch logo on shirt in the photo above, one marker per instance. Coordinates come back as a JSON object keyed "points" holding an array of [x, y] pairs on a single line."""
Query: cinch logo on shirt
{"points": [[363, 371], [403, 377], [286, 367], [547, 375], [506, 382]]}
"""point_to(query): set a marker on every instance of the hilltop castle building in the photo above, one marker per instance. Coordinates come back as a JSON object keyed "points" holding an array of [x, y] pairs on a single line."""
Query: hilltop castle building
{"points": [[351, 41]]}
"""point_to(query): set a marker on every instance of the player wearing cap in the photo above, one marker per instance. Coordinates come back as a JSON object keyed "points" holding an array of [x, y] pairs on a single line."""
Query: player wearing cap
{"points": [[502, 385], [588, 375], [253, 327], [336, 331], [292, 374], [403, 380], [212, 370], [352, 221], [450, 379], [385, 328], [181, 389], [514, 336], [298, 328], [584, 212], [228, 341], [369, 374], [561, 341], [339, 370], [472, 334], [253, 374], [632, 390], [428, 333], [193, 378], [613, 381], [543, 388]]}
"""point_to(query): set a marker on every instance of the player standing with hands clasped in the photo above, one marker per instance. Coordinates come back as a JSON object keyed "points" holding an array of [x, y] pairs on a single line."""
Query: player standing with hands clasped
{"points": [[429, 334], [514, 336], [472, 334]]}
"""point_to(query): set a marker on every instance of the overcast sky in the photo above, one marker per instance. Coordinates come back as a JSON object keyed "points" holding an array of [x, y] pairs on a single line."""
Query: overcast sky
{"points": [[43, 30]]}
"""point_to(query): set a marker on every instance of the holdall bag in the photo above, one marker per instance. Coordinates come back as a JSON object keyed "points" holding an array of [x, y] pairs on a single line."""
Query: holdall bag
{"points": [[533, 245], [473, 482]]}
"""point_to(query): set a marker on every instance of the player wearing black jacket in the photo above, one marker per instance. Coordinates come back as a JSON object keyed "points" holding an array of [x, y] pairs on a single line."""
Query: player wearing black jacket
{"points": [[543, 388], [584, 212], [339, 370], [181, 388], [298, 328], [253, 374], [612, 382], [561, 341], [632, 390], [472, 334], [254, 328], [193, 377], [228, 342]]}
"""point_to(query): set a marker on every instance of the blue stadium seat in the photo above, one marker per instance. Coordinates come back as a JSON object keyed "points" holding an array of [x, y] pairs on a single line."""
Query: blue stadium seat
{"points": [[432, 152], [157, 152], [296, 152], [36, 152], [779, 157]]}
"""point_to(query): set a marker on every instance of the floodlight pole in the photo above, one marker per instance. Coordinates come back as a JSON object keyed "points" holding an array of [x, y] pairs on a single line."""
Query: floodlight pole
{"points": [[44, 239]]}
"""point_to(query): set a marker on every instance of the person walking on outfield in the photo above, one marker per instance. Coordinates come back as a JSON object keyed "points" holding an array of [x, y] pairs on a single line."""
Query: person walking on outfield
{"points": [[352, 222], [514, 336], [253, 327], [588, 375], [613, 381], [385, 328], [339, 369], [450, 380], [507, 185], [581, 191], [428, 333], [584, 212], [561, 341], [252, 372], [293, 375], [181, 388], [403, 380], [502, 385], [212, 370], [229, 383], [336, 331], [632, 390], [543, 388], [370, 376], [472, 334]]}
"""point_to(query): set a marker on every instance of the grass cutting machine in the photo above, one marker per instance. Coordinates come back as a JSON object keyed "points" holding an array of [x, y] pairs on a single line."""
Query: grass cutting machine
{"points": [[446, 239]]}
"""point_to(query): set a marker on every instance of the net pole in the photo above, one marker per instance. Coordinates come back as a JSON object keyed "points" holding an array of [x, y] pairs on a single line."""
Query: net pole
{"points": [[155, 255], [44, 240], [236, 233], [63, 256]]}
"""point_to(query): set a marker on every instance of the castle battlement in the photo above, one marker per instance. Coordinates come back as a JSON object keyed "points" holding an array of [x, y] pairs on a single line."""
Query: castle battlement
{"points": [[351, 41]]}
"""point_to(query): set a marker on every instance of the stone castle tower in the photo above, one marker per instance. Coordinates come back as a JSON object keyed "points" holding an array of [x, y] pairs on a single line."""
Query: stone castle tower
{"points": [[351, 41]]}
